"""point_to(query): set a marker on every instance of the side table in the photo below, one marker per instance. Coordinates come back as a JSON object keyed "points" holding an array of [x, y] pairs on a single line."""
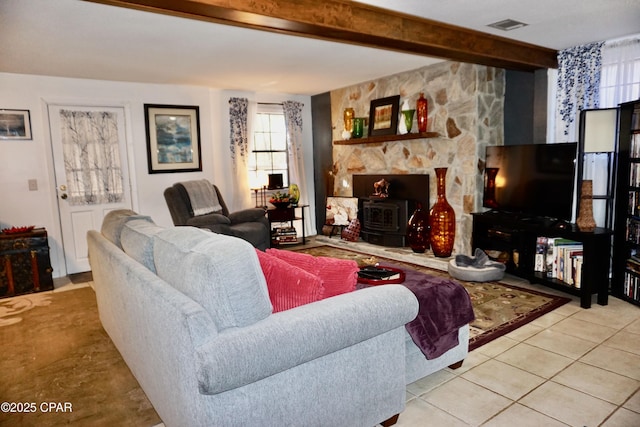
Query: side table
{"points": [[288, 214]]}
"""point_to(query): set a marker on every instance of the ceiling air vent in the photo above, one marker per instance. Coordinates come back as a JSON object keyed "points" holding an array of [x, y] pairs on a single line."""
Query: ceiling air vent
{"points": [[507, 24]]}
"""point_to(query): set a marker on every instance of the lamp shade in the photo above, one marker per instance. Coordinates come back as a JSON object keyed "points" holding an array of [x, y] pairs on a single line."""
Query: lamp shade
{"points": [[599, 130]]}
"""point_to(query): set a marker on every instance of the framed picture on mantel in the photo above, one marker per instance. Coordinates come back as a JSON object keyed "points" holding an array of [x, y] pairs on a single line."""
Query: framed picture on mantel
{"points": [[383, 116]]}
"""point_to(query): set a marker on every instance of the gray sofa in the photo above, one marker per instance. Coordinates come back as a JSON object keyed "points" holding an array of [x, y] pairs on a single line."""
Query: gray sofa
{"points": [[190, 314]]}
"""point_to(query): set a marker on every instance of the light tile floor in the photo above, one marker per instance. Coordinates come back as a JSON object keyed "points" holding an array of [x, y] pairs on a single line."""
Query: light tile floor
{"points": [[571, 367]]}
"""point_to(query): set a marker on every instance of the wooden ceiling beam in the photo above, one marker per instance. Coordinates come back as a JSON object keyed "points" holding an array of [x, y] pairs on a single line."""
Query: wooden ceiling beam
{"points": [[361, 24]]}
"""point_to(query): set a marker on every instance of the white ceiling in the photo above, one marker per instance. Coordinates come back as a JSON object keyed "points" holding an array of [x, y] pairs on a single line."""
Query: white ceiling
{"points": [[73, 38]]}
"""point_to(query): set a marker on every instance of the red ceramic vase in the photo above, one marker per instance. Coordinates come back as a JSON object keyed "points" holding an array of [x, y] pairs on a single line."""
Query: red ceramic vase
{"points": [[489, 198], [418, 230], [422, 111], [442, 220]]}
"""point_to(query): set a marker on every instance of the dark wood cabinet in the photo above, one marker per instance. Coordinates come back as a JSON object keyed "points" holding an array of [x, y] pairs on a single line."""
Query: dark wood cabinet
{"points": [[517, 236], [25, 265]]}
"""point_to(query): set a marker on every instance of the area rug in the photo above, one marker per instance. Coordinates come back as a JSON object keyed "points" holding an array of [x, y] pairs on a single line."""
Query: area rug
{"points": [[499, 308], [11, 309], [55, 351]]}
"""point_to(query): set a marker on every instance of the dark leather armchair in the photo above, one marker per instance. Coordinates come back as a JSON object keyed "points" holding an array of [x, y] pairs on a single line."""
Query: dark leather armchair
{"points": [[249, 224]]}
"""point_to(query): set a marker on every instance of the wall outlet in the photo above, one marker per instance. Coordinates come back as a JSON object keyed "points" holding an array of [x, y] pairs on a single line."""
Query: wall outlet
{"points": [[33, 185]]}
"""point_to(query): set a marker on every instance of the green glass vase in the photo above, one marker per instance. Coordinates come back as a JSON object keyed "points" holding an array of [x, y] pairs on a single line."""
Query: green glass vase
{"points": [[407, 115]]}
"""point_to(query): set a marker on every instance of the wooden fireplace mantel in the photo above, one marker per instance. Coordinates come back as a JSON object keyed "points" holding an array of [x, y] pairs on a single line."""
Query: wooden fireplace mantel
{"points": [[385, 138]]}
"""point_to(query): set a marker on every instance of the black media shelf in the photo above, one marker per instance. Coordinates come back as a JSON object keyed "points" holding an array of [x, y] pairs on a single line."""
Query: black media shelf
{"points": [[517, 236]]}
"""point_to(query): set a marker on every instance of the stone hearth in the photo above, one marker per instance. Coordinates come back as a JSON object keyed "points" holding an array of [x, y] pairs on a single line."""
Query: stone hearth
{"points": [[405, 254]]}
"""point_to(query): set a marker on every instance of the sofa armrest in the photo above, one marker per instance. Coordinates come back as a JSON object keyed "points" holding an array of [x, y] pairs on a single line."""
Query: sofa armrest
{"points": [[247, 215], [241, 356], [208, 220]]}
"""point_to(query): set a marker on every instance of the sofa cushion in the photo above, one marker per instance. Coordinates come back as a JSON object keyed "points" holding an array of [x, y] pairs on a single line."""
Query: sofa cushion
{"points": [[137, 241], [338, 275], [289, 286], [114, 221], [220, 272]]}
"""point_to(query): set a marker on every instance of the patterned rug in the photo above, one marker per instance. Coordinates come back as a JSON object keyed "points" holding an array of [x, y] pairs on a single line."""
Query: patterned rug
{"points": [[499, 308], [11, 309], [54, 350]]}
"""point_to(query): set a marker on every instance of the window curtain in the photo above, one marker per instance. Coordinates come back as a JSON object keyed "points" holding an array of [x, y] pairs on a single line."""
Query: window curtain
{"points": [[620, 81], [578, 88], [293, 123], [239, 148]]}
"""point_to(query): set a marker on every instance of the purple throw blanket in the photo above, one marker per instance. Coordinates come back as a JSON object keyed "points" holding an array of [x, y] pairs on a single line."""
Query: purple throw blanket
{"points": [[444, 307]]}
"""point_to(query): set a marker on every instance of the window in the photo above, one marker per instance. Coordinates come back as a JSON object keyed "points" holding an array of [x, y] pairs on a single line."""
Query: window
{"points": [[620, 75], [628, 89], [619, 82], [269, 149]]}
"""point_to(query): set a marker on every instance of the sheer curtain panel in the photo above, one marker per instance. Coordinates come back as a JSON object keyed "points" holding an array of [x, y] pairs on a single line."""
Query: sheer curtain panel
{"points": [[293, 122], [620, 81]]}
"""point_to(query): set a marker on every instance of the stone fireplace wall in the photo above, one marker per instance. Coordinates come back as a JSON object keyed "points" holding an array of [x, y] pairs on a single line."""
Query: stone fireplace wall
{"points": [[466, 105]]}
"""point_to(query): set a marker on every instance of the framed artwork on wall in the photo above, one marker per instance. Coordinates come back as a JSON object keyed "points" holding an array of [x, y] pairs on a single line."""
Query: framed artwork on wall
{"points": [[383, 116], [15, 124], [173, 138]]}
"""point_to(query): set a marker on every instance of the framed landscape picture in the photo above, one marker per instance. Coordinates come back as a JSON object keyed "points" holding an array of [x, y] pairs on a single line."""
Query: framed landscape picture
{"points": [[15, 124], [383, 116], [173, 138]]}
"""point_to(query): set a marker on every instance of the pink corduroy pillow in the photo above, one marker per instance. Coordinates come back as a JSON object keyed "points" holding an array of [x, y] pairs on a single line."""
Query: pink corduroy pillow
{"points": [[338, 275], [288, 285]]}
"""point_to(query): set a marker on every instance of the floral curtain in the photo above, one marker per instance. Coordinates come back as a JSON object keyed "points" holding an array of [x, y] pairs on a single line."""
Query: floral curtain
{"points": [[91, 157], [239, 149], [578, 86], [293, 123], [239, 129]]}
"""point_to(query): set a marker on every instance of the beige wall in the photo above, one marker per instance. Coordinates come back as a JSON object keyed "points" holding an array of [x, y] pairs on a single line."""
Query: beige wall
{"points": [[21, 161]]}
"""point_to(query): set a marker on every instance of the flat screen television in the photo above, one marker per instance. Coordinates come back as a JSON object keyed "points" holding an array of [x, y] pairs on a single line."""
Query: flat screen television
{"points": [[536, 180]]}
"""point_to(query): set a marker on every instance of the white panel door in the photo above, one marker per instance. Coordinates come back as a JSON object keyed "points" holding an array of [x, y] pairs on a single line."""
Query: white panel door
{"points": [[92, 173]]}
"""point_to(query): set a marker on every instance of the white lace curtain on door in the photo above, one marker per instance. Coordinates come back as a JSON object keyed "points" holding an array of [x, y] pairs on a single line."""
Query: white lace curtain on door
{"points": [[91, 157]]}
